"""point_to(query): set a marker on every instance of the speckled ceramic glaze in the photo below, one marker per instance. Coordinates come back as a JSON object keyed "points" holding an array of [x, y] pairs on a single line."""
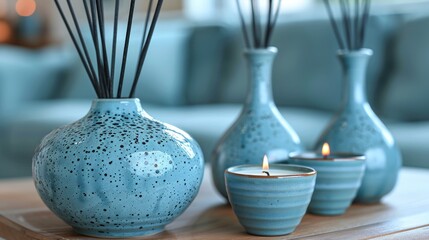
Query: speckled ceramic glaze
{"points": [[270, 206], [260, 129], [337, 182], [117, 172], [356, 128]]}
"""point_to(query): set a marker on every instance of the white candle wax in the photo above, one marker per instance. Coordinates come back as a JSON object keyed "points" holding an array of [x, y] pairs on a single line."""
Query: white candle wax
{"points": [[276, 170], [273, 172], [330, 157]]}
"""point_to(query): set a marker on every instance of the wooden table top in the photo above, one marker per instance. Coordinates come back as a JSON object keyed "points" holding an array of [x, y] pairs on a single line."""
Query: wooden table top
{"points": [[404, 214]]}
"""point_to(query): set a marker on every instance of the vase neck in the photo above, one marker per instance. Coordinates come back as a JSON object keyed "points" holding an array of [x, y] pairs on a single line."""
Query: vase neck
{"points": [[260, 65], [117, 106], [354, 67]]}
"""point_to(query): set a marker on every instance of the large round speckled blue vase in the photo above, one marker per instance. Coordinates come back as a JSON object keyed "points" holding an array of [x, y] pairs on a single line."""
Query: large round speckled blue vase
{"points": [[117, 172], [356, 128], [260, 129]]}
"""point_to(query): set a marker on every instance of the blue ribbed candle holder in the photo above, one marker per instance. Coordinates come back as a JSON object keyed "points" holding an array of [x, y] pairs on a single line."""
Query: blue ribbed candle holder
{"points": [[338, 180], [270, 205]]}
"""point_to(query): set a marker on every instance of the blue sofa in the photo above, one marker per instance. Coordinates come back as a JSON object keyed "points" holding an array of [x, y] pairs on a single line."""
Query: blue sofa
{"points": [[195, 78]]}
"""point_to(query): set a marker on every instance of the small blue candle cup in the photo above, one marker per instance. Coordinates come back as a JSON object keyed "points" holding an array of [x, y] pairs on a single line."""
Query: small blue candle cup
{"points": [[339, 177], [271, 205]]}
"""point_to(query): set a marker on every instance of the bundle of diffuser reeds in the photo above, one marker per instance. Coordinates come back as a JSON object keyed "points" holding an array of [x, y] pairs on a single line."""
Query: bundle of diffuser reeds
{"points": [[98, 61], [262, 17], [350, 29]]}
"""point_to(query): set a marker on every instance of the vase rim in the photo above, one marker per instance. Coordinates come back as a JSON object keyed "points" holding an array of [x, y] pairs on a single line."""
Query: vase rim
{"points": [[117, 104], [116, 100], [359, 52], [268, 50]]}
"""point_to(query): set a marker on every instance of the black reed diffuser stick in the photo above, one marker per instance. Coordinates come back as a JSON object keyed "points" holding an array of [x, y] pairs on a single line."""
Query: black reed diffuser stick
{"points": [[126, 46], [114, 42], [143, 52], [149, 9], [76, 44], [262, 22], [351, 36], [102, 76]]}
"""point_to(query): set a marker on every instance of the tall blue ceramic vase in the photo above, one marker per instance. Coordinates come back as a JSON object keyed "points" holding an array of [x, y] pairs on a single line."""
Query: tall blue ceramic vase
{"points": [[117, 172], [260, 129], [356, 128]]}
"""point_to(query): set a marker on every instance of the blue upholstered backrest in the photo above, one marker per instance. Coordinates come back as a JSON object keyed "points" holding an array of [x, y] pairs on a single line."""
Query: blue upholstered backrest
{"points": [[162, 80], [306, 72], [27, 75]]}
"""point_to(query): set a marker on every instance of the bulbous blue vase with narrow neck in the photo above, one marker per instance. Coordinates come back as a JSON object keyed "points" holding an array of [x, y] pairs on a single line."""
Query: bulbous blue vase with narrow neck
{"points": [[356, 128], [260, 129], [117, 172]]}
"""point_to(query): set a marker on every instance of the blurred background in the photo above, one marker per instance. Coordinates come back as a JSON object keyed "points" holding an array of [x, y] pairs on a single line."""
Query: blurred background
{"points": [[195, 77]]}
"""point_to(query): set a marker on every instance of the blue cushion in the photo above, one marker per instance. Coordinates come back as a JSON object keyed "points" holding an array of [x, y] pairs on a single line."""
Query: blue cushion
{"points": [[405, 95], [205, 64], [27, 75]]}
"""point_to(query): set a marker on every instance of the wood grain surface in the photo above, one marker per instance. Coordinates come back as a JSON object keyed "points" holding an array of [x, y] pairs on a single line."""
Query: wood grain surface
{"points": [[404, 214]]}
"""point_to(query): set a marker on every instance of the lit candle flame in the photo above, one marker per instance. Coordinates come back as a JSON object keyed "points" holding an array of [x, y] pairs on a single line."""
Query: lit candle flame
{"points": [[265, 165], [326, 150]]}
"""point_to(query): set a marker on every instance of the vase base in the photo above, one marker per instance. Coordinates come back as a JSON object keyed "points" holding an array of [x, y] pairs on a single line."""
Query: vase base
{"points": [[118, 233]]}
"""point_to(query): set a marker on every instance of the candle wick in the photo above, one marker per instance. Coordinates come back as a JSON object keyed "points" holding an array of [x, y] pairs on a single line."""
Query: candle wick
{"points": [[266, 172]]}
